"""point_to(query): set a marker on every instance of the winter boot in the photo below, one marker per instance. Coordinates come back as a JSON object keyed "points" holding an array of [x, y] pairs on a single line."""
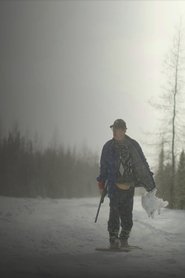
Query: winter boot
{"points": [[123, 237], [124, 243], [114, 241]]}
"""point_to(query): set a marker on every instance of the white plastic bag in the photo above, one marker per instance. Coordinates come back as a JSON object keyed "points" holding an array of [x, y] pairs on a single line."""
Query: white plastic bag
{"points": [[151, 203]]}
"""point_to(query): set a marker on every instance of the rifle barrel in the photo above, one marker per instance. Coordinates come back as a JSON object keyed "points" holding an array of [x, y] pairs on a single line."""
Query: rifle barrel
{"points": [[104, 192], [97, 212]]}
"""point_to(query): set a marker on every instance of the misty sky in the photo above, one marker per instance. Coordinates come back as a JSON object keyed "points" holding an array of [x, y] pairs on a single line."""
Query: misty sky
{"points": [[70, 68]]}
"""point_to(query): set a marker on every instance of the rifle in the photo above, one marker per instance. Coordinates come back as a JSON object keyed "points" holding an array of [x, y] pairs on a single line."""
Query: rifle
{"points": [[103, 194]]}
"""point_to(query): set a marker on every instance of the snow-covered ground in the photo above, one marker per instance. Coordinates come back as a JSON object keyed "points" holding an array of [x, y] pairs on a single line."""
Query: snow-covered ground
{"points": [[57, 238]]}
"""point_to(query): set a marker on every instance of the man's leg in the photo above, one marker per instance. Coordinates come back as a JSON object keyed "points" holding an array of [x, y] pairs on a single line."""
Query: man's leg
{"points": [[114, 221], [125, 211]]}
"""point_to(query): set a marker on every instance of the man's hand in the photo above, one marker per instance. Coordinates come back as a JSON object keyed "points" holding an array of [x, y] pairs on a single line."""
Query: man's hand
{"points": [[101, 190], [101, 186]]}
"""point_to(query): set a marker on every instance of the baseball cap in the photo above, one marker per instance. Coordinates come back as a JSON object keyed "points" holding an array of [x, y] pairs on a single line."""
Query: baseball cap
{"points": [[119, 123]]}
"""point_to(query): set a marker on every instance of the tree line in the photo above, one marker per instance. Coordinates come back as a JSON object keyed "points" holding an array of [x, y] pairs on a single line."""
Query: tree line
{"points": [[26, 171], [164, 180]]}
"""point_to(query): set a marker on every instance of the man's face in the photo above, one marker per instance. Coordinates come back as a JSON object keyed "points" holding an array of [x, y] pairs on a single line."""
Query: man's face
{"points": [[119, 133]]}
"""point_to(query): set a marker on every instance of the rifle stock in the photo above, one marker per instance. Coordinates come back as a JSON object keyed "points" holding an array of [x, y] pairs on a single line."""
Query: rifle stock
{"points": [[103, 194]]}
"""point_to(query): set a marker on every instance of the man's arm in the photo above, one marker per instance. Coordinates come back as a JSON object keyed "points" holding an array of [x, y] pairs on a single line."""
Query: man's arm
{"points": [[143, 156], [103, 169], [139, 149]]}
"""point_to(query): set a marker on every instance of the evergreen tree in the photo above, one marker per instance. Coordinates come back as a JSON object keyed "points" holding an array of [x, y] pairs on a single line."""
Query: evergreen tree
{"points": [[163, 176], [180, 183], [27, 171]]}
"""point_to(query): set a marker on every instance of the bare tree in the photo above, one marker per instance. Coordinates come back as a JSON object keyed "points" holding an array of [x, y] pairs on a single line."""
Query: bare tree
{"points": [[171, 102]]}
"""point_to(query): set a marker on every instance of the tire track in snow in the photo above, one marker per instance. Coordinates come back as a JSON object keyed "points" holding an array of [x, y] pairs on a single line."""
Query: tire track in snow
{"points": [[157, 230]]}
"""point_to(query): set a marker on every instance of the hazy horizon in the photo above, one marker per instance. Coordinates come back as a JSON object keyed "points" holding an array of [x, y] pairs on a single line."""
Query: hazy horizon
{"points": [[70, 68]]}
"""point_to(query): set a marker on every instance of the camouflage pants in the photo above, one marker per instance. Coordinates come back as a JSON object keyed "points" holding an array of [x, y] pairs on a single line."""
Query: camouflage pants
{"points": [[121, 207]]}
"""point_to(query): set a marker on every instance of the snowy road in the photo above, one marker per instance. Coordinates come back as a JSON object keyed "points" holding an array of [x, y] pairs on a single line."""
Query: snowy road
{"points": [[56, 238]]}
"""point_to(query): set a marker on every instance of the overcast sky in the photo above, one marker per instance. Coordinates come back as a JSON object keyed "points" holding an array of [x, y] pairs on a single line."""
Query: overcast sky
{"points": [[73, 67]]}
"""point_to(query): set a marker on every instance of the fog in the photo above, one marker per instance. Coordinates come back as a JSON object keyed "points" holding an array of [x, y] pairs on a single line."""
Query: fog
{"points": [[70, 68]]}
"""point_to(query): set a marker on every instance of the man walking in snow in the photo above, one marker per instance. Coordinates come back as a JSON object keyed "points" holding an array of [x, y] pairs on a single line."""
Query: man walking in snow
{"points": [[123, 167]]}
